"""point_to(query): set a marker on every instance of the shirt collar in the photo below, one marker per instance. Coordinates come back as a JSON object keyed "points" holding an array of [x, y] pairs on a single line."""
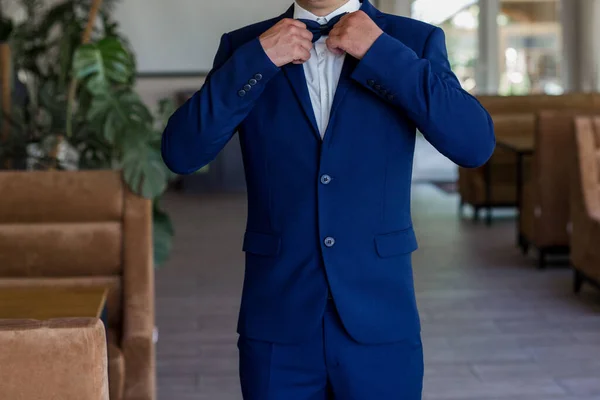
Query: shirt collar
{"points": [[349, 7]]}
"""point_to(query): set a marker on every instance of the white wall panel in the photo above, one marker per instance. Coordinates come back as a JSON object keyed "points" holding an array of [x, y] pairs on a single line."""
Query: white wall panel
{"points": [[183, 35]]}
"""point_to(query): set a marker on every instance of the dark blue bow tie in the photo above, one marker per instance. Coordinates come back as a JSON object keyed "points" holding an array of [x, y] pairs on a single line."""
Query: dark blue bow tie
{"points": [[319, 30]]}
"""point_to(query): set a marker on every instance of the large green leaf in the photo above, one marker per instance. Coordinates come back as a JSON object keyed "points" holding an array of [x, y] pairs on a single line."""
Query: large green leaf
{"points": [[103, 64], [117, 114], [143, 167], [162, 234]]}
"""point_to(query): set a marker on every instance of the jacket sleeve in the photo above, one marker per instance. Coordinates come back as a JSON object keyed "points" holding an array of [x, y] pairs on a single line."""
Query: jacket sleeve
{"points": [[201, 127], [429, 93]]}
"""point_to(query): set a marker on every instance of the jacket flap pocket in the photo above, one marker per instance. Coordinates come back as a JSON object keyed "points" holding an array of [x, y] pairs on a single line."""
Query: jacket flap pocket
{"points": [[261, 244], [396, 243]]}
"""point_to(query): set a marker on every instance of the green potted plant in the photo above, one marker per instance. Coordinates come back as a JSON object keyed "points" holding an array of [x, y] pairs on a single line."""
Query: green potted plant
{"points": [[83, 111]]}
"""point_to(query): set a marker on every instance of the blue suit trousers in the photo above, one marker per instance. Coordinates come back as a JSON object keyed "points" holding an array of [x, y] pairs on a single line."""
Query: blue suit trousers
{"points": [[331, 365]]}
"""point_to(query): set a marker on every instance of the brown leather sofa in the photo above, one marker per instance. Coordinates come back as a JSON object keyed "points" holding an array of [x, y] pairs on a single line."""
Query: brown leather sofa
{"points": [[63, 359], [585, 203], [85, 228], [494, 184], [544, 210]]}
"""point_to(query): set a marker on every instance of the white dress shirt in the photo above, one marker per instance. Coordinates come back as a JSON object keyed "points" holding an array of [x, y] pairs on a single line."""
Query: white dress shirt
{"points": [[324, 68]]}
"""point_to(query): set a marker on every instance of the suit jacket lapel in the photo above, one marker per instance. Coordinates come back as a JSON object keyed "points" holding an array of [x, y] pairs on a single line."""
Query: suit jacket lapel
{"points": [[350, 63], [297, 79], [343, 86], [295, 75]]}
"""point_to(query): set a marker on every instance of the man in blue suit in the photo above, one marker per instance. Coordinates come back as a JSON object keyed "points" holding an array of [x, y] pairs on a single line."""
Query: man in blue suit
{"points": [[326, 99]]}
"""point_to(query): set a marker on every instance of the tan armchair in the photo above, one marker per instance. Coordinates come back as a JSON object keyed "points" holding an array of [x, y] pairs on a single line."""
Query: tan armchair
{"points": [[585, 203], [86, 228], [494, 184], [545, 202], [63, 359]]}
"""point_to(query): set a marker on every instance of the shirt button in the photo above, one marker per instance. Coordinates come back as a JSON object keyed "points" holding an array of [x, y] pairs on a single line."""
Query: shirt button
{"points": [[329, 241], [252, 82], [371, 82], [242, 93], [325, 179], [247, 88], [258, 77]]}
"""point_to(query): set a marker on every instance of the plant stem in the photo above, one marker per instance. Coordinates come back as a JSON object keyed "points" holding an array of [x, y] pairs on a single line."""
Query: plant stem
{"points": [[87, 34], [91, 20], [5, 71]]}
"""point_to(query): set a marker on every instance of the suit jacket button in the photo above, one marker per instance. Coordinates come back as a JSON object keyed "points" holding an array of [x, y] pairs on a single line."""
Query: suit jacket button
{"points": [[371, 82], [242, 93], [325, 179], [329, 241], [247, 88], [258, 77]]}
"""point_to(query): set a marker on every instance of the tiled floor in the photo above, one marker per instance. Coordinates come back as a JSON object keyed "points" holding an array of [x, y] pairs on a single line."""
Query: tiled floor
{"points": [[494, 327]]}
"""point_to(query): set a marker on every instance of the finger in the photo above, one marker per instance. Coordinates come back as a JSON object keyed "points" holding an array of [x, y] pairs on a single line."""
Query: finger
{"points": [[333, 42], [338, 29], [345, 18], [334, 45], [335, 31], [302, 54], [301, 33], [306, 44], [306, 34], [294, 22]]}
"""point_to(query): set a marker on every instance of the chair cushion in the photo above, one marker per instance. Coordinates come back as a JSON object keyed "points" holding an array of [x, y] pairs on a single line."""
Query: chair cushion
{"points": [[60, 249], [71, 225], [116, 367], [59, 359]]}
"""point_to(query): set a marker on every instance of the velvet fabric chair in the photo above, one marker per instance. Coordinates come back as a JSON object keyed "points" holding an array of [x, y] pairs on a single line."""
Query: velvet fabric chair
{"points": [[85, 228], [494, 184], [585, 203], [545, 203], [62, 359]]}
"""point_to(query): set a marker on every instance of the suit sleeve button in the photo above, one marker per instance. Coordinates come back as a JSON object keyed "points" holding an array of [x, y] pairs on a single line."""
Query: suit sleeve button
{"points": [[247, 88], [390, 97], [252, 82], [377, 87], [258, 77], [371, 82], [242, 93]]}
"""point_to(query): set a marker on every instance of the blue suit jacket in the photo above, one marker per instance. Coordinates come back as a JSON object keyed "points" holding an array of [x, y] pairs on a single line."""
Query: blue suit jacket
{"points": [[332, 214]]}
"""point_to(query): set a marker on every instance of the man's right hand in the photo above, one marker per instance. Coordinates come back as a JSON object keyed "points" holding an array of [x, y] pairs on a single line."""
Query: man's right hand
{"points": [[286, 42]]}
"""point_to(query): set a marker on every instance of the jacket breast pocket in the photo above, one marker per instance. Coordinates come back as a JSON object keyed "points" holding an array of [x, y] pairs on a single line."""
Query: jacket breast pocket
{"points": [[261, 244], [396, 243]]}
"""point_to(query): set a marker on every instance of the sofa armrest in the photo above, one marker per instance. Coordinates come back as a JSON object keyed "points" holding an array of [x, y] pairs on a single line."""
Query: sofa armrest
{"points": [[138, 300], [140, 381]]}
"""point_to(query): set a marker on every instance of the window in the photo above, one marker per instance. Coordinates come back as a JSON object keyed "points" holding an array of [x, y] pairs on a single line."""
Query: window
{"points": [[530, 37], [460, 21]]}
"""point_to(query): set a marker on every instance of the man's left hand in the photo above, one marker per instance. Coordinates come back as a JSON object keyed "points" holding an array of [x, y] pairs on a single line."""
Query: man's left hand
{"points": [[354, 34]]}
